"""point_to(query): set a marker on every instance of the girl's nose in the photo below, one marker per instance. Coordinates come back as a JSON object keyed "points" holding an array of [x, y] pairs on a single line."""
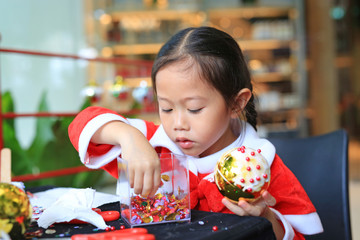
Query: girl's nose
{"points": [[180, 122]]}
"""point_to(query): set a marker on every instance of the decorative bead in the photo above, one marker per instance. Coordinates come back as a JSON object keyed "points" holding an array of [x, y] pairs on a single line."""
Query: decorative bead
{"points": [[122, 227], [247, 159], [258, 178], [248, 168], [242, 150], [259, 150], [215, 228], [242, 180], [239, 149], [258, 167], [112, 228], [251, 180], [107, 229], [252, 153], [249, 190], [265, 175]]}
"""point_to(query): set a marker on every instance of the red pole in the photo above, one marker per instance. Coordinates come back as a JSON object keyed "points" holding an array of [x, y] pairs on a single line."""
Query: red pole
{"points": [[118, 60], [50, 174], [1, 113], [55, 114]]}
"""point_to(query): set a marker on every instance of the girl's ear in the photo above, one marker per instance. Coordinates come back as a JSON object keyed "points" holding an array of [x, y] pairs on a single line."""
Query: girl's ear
{"points": [[241, 100]]}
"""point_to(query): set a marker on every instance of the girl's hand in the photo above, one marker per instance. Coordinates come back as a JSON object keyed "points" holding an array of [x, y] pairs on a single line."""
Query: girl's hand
{"points": [[143, 168], [143, 165], [143, 162], [256, 208], [260, 207]]}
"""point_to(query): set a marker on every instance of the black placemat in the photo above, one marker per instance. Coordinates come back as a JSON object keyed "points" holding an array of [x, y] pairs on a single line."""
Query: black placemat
{"points": [[229, 226]]}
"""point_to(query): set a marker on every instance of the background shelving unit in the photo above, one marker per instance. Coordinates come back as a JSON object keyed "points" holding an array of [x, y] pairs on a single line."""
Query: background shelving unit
{"points": [[272, 38]]}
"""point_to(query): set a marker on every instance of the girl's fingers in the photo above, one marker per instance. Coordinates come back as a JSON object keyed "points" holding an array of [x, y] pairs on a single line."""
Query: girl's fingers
{"points": [[252, 210], [131, 176], [148, 186], [268, 199], [232, 207], [157, 181], [138, 183]]}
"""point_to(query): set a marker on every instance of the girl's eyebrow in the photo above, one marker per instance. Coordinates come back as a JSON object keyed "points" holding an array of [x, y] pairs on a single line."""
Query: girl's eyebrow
{"points": [[185, 99]]}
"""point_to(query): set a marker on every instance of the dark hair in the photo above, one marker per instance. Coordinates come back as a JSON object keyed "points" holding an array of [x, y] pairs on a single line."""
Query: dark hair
{"points": [[219, 59]]}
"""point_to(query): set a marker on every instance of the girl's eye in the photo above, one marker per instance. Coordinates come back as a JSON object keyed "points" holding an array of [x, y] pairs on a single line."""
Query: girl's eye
{"points": [[166, 110], [195, 110]]}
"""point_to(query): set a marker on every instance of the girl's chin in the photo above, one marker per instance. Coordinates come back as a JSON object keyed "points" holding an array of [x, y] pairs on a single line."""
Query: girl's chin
{"points": [[190, 151]]}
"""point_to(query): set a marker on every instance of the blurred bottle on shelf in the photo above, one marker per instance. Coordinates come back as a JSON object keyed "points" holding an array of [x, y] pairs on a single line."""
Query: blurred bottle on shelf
{"points": [[114, 33]]}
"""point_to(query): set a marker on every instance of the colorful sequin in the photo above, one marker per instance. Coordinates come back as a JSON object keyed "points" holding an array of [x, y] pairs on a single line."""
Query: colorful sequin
{"points": [[161, 207]]}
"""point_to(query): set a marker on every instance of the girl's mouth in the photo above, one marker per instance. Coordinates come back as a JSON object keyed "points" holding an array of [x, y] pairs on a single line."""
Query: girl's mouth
{"points": [[184, 143]]}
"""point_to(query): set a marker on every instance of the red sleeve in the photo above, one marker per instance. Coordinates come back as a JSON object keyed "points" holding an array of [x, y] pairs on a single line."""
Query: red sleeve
{"points": [[290, 196], [150, 129], [83, 118], [298, 236], [80, 121]]}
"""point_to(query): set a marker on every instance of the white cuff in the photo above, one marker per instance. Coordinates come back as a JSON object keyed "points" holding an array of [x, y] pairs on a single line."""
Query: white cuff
{"points": [[89, 130], [289, 231], [307, 224]]}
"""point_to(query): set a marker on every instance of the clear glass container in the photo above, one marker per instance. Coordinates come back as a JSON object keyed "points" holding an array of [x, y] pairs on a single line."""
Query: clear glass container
{"points": [[171, 202]]}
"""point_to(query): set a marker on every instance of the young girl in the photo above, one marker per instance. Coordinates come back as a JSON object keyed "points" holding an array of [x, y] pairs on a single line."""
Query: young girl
{"points": [[206, 107]]}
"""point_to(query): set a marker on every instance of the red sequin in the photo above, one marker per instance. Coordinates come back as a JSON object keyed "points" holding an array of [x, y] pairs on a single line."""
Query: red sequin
{"points": [[215, 228]]}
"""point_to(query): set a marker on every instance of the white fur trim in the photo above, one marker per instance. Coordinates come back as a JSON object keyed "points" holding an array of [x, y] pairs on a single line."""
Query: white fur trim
{"points": [[86, 134], [289, 231], [192, 166], [139, 124], [161, 139], [252, 140], [208, 163], [210, 177], [306, 224]]}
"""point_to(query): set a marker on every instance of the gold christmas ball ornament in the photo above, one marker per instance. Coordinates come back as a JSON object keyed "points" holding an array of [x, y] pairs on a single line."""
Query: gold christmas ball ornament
{"points": [[242, 173], [15, 211]]}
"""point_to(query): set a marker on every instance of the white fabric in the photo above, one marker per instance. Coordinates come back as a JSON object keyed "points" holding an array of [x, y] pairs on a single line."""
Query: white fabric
{"points": [[312, 220], [289, 231], [73, 204], [86, 135]]}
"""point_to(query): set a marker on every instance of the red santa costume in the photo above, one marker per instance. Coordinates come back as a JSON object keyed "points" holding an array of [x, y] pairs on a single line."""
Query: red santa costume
{"points": [[293, 207]]}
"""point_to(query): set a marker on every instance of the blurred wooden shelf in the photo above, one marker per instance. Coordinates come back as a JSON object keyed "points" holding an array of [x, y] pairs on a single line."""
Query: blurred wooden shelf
{"points": [[246, 45], [253, 12], [270, 77], [167, 14]]}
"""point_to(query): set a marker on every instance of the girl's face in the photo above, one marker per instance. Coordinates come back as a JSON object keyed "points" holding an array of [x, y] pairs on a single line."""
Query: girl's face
{"points": [[193, 113]]}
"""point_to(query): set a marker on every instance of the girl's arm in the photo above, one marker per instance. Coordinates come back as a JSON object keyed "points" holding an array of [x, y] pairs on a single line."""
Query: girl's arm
{"points": [[143, 161]]}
